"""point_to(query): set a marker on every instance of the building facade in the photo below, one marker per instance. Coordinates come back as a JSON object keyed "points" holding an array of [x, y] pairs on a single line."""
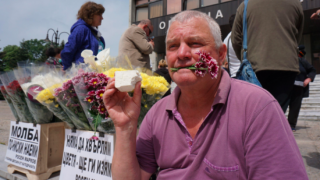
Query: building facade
{"points": [[161, 11]]}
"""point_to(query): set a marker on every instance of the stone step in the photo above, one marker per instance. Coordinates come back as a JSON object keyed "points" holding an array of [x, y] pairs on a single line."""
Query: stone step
{"points": [[310, 108], [314, 88], [312, 99], [309, 113], [309, 118]]}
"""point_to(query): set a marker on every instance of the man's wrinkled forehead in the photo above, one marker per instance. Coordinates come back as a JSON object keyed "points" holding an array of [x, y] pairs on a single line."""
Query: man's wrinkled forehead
{"points": [[177, 28]]}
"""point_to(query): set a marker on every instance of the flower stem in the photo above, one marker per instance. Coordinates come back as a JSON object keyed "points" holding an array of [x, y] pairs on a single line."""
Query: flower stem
{"points": [[189, 67]]}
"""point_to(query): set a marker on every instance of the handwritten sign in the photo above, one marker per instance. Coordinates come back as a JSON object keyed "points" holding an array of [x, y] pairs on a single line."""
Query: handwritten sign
{"points": [[86, 159], [23, 145]]}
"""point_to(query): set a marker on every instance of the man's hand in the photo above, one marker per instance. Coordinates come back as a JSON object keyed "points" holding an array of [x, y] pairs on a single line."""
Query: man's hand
{"points": [[123, 109], [152, 43], [315, 15], [306, 82]]}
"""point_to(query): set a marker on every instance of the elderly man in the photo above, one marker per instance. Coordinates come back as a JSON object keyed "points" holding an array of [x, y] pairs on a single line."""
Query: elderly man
{"points": [[218, 128], [134, 43]]}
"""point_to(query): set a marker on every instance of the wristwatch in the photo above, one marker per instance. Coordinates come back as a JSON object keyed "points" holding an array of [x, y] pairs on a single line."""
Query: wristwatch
{"points": [[318, 15]]}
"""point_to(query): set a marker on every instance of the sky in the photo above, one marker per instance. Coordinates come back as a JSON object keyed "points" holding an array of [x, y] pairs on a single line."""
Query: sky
{"points": [[31, 19]]}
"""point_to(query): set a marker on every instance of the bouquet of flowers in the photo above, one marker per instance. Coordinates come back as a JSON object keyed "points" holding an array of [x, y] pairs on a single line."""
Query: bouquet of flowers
{"points": [[90, 87], [64, 93], [31, 88], [8, 99], [46, 98], [153, 88], [17, 96]]}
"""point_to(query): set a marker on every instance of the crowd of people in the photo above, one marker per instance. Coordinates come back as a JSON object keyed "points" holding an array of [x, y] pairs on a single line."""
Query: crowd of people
{"points": [[208, 128]]}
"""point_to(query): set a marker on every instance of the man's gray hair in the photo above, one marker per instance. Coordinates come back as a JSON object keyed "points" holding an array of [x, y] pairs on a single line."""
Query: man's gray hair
{"points": [[145, 21], [185, 16]]}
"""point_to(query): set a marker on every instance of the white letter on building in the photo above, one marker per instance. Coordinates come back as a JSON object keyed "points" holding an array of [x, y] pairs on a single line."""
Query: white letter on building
{"points": [[209, 14], [219, 14], [162, 25]]}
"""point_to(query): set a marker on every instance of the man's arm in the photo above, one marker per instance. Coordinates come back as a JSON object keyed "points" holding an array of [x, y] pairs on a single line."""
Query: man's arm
{"points": [[138, 37], [124, 112], [300, 25], [271, 151], [316, 15], [236, 35], [125, 164]]}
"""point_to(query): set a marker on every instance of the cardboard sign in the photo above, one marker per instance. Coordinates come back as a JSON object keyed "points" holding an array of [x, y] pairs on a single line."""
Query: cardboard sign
{"points": [[23, 145], [86, 159]]}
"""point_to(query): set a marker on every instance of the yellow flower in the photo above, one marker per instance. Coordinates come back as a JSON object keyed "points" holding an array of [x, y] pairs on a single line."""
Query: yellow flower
{"points": [[46, 95], [110, 72], [154, 84], [151, 84]]}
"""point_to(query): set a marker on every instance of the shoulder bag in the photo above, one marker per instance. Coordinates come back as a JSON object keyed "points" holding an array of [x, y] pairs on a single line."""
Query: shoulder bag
{"points": [[245, 71]]}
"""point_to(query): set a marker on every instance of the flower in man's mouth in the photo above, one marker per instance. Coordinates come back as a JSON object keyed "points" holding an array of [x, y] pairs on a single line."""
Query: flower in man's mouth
{"points": [[205, 64]]}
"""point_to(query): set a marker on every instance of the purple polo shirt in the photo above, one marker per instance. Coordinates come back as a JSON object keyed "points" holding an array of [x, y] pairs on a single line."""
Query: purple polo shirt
{"points": [[245, 136]]}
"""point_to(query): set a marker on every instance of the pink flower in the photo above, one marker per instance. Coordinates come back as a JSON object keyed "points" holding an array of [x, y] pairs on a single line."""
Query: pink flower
{"points": [[91, 93], [99, 93], [206, 61], [93, 82], [66, 85], [89, 99], [94, 137], [57, 91], [102, 109]]}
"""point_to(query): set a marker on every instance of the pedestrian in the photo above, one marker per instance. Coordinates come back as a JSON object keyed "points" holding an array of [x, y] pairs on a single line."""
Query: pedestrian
{"points": [[300, 88], [274, 30], [84, 34], [58, 54], [136, 44], [163, 71], [232, 60], [51, 57], [316, 15], [210, 127]]}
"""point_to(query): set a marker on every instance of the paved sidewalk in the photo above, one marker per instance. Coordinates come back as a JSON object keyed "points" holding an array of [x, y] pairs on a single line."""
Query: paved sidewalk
{"points": [[307, 137], [308, 140]]}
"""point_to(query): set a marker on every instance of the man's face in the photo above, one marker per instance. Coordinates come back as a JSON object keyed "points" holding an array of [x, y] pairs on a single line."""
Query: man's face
{"points": [[184, 40], [148, 28]]}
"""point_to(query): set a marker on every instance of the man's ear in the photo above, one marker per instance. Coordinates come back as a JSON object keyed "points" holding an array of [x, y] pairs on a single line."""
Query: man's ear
{"points": [[222, 54]]}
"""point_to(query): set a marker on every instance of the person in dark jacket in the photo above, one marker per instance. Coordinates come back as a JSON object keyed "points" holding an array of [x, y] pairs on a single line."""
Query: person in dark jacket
{"points": [[84, 34], [163, 71], [274, 30], [300, 88]]}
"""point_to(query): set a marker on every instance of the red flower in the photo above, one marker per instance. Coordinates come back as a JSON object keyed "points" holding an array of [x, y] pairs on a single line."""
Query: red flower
{"points": [[99, 93], [94, 137], [91, 93], [93, 82], [102, 109], [89, 99]]}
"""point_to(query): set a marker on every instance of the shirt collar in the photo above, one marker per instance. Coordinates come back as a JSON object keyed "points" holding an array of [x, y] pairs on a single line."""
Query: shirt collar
{"points": [[221, 96]]}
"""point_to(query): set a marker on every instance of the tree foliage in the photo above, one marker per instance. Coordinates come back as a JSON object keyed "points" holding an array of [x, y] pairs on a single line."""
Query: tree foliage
{"points": [[12, 55], [36, 49]]}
